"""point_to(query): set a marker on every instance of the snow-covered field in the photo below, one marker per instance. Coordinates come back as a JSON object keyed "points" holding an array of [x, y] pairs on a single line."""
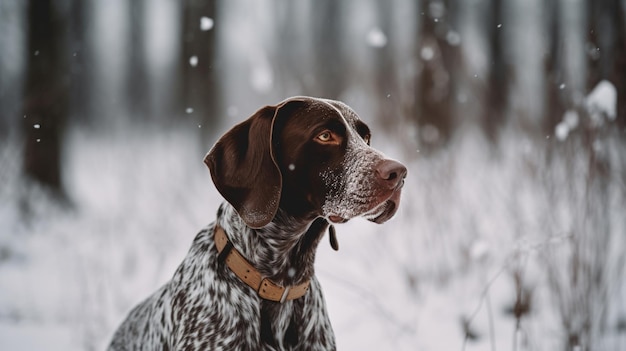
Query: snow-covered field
{"points": [[478, 227]]}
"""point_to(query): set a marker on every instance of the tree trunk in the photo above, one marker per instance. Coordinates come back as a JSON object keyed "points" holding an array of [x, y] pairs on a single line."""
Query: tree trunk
{"points": [[81, 63], [607, 51], [620, 61], [199, 65], [497, 86], [46, 97], [555, 106], [137, 75], [386, 84], [327, 44], [438, 61]]}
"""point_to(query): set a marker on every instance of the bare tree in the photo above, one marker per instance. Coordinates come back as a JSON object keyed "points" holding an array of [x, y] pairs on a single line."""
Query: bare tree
{"points": [[137, 76], [288, 51], [11, 66], [620, 61], [438, 61], [497, 85], [554, 70], [46, 96], [385, 71], [199, 64], [81, 68], [327, 46], [607, 49]]}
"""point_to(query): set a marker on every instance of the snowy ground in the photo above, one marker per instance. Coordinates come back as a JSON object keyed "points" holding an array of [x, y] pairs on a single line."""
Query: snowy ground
{"points": [[472, 217]]}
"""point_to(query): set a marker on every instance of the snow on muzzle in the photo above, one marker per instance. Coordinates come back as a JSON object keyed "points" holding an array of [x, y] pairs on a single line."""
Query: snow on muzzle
{"points": [[368, 186]]}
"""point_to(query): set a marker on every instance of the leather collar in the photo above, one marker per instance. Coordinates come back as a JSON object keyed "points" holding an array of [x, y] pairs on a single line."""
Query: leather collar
{"points": [[246, 272]]}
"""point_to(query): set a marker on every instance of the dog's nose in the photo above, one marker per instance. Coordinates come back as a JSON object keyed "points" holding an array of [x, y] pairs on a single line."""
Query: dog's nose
{"points": [[391, 172]]}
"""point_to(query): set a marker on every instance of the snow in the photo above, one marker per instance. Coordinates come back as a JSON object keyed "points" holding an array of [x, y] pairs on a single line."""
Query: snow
{"points": [[453, 38], [466, 222], [562, 131], [479, 250], [603, 100], [601, 103], [427, 53], [568, 124], [206, 24], [376, 38], [468, 218], [19, 337], [77, 273]]}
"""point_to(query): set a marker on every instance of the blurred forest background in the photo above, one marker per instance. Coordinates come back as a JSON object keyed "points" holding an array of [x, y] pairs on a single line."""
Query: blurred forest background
{"points": [[510, 113], [431, 67]]}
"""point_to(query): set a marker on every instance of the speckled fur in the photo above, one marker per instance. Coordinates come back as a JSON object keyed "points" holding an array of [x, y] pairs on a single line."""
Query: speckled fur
{"points": [[206, 307]]}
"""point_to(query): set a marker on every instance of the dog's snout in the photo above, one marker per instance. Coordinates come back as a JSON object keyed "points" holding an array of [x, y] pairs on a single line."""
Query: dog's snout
{"points": [[391, 172]]}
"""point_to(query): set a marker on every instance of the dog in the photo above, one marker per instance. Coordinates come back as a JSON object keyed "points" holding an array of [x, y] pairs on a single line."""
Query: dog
{"points": [[288, 174]]}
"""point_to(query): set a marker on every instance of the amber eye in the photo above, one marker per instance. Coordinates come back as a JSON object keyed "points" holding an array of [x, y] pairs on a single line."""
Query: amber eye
{"points": [[326, 136]]}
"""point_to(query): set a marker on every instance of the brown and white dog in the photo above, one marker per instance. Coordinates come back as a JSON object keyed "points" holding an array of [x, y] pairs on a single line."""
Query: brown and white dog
{"points": [[248, 280]]}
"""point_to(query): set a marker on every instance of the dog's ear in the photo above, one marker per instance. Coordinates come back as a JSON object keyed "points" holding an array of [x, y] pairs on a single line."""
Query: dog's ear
{"points": [[244, 169]]}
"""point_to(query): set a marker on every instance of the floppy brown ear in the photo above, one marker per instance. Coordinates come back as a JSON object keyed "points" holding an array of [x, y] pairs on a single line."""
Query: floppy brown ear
{"points": [[244, 170]]}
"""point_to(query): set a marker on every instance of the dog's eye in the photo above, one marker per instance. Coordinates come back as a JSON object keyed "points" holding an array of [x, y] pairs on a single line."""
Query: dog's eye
{"points": [[326, 136]]}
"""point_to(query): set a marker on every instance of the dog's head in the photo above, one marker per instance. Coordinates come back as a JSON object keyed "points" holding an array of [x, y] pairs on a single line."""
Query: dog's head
{"points": [[310, 157]]}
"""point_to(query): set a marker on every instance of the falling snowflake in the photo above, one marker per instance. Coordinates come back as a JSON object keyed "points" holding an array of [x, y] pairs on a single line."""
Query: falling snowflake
{"points": [[206, 24], [561, 131], [376, 38], [603, 100], [427, 53], [453, 38]]}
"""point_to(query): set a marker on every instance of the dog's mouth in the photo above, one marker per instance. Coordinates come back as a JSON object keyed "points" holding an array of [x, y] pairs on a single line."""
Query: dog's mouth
{"points": [[337, 219], [386, 210], [380, 213]]}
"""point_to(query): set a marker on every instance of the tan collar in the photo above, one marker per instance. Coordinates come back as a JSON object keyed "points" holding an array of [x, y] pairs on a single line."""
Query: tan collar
{"points": [[266, 288]]}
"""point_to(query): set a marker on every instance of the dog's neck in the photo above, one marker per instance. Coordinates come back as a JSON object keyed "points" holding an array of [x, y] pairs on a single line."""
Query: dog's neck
{"points": [[283, 250]]}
